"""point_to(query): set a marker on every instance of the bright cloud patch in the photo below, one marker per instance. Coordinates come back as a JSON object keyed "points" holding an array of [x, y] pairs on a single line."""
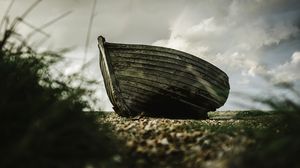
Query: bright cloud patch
{"points": [[287, 72]]}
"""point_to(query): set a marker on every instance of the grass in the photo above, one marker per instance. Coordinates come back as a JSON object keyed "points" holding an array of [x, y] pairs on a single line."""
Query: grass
{"points": [[279, 144], [42, 119], [232, 122]]}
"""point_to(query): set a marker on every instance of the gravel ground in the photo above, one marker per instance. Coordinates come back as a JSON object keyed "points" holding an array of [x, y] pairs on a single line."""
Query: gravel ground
{"points": [[158, 142]]}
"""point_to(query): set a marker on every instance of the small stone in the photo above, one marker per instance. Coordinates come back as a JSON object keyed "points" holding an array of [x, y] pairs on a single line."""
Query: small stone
{"points": [[130, 143], [196, 148], [178, 135], [147, 127], [150, 142], [153, 150], [164, 141]]}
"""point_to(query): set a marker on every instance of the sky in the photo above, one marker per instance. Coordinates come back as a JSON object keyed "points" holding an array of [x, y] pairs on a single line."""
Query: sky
{"points": [[256, 42]]}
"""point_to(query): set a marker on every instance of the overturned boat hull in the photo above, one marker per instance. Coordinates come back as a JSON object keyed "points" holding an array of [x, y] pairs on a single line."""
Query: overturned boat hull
{"points": [[160, 81]]}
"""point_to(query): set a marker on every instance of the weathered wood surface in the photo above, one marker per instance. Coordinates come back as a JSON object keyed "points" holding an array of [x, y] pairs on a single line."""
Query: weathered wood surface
{"points": [[158, 80]]}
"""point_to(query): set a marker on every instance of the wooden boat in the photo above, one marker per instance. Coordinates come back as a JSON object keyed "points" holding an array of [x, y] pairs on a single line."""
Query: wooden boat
{"points": [[160, 81]]}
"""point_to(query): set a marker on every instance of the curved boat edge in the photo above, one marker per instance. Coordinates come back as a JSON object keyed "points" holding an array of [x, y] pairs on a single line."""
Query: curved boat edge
{"points": [[111, 84]]}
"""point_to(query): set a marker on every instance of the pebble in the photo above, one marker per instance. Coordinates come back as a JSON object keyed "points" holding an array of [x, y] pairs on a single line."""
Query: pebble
{"points": [[164, 141]]}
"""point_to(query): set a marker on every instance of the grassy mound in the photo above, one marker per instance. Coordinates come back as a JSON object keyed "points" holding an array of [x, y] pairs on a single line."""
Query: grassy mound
{"points": [[278, 145], [42, 122]]}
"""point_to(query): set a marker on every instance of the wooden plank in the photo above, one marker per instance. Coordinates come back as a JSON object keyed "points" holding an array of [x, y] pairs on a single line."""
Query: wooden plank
{"points": [[156, 56], [165, 52]]}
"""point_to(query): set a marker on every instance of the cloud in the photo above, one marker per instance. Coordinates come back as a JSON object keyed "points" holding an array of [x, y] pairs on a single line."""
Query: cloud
{"points": [[183, 37], [287, 72], [207, 26], [235, 39]]}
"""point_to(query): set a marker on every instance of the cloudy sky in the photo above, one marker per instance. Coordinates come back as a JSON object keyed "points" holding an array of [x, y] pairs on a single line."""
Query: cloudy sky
{"points": [[256, 42]]}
